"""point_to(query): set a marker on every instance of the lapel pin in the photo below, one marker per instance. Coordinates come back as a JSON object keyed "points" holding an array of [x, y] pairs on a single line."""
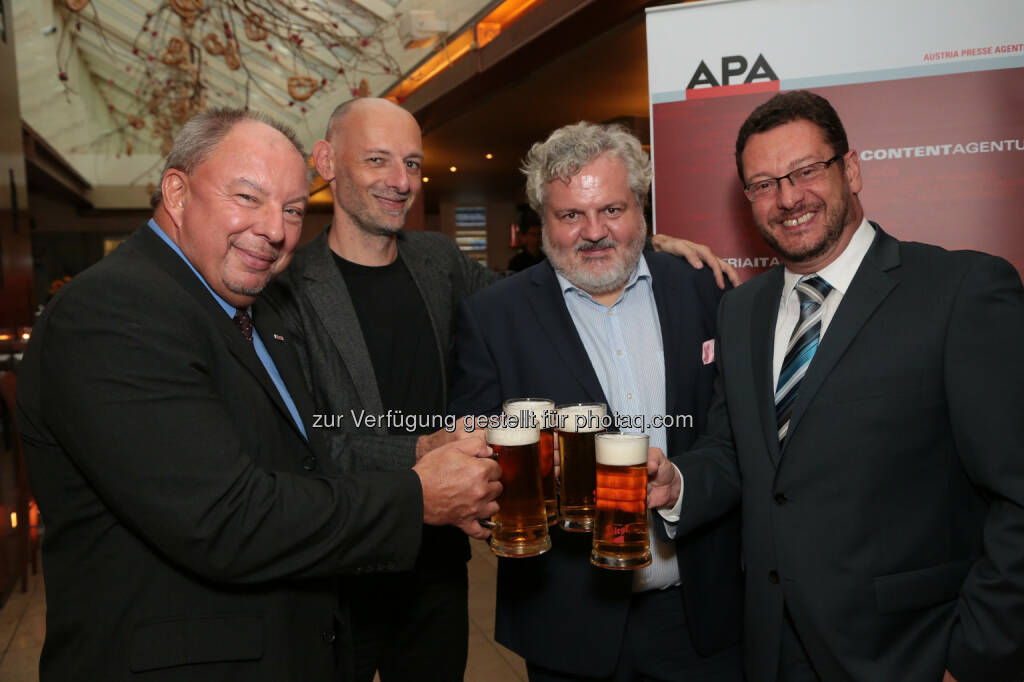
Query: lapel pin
{"points": [[278, 337]]}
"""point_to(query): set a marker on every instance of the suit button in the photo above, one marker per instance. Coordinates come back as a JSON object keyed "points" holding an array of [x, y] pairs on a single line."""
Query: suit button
{"points": [[309, 463], [773, 577], [781, 499], [328, 636]]}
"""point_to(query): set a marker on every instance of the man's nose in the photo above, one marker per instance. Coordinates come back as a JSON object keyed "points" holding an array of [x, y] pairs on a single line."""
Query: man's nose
{"points": [[398, 177], [789, 195], [594, 229]]}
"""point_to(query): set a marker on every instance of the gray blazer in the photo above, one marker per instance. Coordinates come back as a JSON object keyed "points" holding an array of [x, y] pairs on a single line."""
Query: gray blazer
{"points": [[313, 301]]}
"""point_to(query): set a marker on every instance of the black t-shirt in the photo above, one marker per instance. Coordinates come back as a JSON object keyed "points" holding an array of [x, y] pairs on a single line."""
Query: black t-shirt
{"points": [[400, 339], [403, 350]]}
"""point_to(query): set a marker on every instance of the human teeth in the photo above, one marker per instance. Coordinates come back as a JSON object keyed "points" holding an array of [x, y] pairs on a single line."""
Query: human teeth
{"points": [[793, 222]]}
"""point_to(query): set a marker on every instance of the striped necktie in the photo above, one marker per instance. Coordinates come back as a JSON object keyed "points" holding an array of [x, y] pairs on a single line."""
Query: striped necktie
{"points": [[811, 290]]}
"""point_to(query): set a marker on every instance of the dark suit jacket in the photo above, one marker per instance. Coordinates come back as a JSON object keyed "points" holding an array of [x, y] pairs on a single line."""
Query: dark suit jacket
{"points": [[191, 532], [517, 339], [892, 522]]}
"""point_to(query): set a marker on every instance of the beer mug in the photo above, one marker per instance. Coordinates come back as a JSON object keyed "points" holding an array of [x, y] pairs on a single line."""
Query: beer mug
{"points": [[621, 538], [520, 528], [577, 425], [543, 415]]}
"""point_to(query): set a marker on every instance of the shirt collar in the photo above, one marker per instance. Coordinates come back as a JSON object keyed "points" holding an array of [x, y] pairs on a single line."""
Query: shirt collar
{"points": [[228, 308], [640, 271], [839, 273]]}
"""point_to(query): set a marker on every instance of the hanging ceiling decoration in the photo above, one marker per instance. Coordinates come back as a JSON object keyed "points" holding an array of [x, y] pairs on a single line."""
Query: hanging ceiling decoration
{"points": [[156, 64]]}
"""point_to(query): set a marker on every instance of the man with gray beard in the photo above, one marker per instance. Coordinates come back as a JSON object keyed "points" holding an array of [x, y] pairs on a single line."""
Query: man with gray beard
{"points": [[605, 323], [370, 309]]}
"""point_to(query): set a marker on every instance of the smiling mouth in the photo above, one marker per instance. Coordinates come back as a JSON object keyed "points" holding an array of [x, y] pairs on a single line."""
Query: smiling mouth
{"points": [[799, 220], [394, 205], [257, 261]]}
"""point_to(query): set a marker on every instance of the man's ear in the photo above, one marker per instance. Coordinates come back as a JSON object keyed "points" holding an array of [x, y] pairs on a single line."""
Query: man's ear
{"points": [[851, 167], [174, 188], [323, 157]]}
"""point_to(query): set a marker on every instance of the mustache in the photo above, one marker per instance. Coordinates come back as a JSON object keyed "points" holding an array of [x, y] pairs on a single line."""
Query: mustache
{"points": [[606, 243]]}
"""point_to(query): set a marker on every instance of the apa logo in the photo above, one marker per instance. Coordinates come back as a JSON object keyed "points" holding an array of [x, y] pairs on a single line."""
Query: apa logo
{"points": [[732, 66]]}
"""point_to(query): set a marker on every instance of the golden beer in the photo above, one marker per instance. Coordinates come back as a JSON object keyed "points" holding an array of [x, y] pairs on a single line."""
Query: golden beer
{"points": [[543, 416], [621, 538], [520, 527], [577, 425]]}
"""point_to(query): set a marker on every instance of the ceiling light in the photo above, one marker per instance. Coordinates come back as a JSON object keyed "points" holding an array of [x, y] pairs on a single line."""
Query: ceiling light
{"points": [[453, 168], [488, 156], [426, 179]]}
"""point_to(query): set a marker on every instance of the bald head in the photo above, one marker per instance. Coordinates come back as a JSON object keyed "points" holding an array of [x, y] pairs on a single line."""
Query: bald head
{"points": [[372, 157], [368, 107]]}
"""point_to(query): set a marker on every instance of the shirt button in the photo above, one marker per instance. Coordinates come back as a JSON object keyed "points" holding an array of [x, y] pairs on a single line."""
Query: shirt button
{"points": [[309, 463], [781, 499], [328, 636], [619, 352], [629, 396], [773, 577]]}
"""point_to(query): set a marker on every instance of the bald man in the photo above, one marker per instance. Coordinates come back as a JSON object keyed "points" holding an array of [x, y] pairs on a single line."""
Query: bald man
{"points": [[371, 308]]}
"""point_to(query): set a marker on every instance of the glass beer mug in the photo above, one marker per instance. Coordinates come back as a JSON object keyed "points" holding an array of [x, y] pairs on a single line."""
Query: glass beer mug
{"points": [[576, 427], [520, 528], [543, 415], [621, 536]]}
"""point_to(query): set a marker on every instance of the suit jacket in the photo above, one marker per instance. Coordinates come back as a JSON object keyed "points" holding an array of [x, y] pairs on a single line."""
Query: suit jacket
{"points": [[517, 339], [312, 299], [192, 533], [891, 523]]}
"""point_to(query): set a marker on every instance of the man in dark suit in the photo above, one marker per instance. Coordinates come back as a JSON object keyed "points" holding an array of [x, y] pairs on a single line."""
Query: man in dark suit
{"points": [[604, 323], [194, 531], [867, 420]]}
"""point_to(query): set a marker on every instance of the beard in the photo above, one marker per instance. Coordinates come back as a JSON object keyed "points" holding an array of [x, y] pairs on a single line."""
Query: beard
{"points": [[597, 277], [834, 224]]}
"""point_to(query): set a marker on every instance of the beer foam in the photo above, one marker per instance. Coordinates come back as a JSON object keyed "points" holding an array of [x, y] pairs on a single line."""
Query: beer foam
{"points": [[591, 417], [507, 436], [536, 407], [615, 449]]}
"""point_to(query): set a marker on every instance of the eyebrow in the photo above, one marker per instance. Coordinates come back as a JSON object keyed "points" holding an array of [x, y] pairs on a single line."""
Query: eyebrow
{"points": [[795, 165], [251, 184], [387, 152], [303, 199]]}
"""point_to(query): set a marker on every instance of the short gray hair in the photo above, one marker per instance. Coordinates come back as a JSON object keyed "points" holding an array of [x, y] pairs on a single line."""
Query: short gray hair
{"points": [[200, 136], [571, 147]]}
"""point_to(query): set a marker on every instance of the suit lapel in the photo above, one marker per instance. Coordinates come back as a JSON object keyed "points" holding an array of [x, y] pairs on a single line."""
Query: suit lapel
{"points": [[333, 305], [869, 288], [556, 324], [763, 319], [242, 350], [436, 294], [666, 294]]}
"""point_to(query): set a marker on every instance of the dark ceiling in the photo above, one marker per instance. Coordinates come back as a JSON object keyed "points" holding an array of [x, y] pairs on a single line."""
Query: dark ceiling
{"points": [[605, 78]]}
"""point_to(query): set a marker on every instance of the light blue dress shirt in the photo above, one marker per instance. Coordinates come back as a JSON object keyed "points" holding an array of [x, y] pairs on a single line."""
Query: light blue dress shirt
{"points": [[624, 344], [257, 342]]}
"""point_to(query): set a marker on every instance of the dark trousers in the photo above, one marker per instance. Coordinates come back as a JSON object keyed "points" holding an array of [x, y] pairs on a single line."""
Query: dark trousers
{"points": [[656, 648], [410, 626]]}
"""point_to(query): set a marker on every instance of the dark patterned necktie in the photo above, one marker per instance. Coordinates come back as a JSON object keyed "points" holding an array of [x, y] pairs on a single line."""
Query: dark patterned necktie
{"points": [[811, 290], [244, 322]]}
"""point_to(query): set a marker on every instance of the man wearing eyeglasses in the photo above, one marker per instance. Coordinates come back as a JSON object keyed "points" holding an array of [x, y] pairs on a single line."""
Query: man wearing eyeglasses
{"points": [[867, 419]]}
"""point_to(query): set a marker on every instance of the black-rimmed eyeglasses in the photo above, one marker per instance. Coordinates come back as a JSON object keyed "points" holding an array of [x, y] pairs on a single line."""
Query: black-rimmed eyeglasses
{"points": [[801, 177]]}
